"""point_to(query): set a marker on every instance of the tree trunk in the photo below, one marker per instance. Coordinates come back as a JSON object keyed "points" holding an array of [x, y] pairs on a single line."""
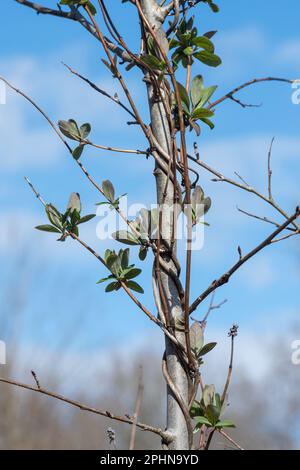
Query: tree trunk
{"points": [[176, 423]]}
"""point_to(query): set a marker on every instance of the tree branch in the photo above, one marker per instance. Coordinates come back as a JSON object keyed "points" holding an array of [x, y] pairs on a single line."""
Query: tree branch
{"points": [[75, 15], [81, 406], [241, 87], [225, 277]]}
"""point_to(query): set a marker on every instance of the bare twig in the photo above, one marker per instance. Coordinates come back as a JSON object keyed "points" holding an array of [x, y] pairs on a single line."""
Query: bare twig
{"points": [[264, 219], [221, 178], [270, 170], [225, 277], [251, 82], [137, 410], [75, 15], [233, 442], [36, 379], [99, 90], [84, 407], [232, 334]]}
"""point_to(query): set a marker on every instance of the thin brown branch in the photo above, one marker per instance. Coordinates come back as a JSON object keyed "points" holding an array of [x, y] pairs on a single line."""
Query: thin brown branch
{"points": [[221, 178], [137, 409], [232, 441], [81, 406], [270, 171], [75, 15], [225, 277], [264, 219], [232, 334], [241, 87], [115, 99]]}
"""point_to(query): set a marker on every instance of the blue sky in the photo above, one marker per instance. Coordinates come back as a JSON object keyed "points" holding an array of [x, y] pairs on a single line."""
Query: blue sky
{"points": [[255, 39]]}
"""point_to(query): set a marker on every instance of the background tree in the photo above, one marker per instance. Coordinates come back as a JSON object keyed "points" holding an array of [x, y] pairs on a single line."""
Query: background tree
{"points": [[170, 46]]}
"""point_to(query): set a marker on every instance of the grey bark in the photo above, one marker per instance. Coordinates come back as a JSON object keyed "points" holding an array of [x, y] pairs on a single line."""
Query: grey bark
{"points": [[176, 424]]}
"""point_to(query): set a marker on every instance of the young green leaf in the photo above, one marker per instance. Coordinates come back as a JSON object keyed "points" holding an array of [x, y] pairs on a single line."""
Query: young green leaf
{"points": [[207, 348], [196, 90], [196, 337], [184, 96], [112, 286], [226, 423], [204, 43], [131, 273], [201, 113], [47, 228], [69, 129], [85, 130], [108, 190], [135, 286], [74, 203], [86, 218], [143, 253], [125, 237], [77, 152], [208, 58]]}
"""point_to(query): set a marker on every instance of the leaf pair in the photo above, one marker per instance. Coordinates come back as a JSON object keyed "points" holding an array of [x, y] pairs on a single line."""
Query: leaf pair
{"points": [[71, 130]]}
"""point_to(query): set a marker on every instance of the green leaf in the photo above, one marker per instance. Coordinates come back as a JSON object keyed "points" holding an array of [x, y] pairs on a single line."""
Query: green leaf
{"points": [[201, 113], [126, 237], [217, 402], [104, 279], [208, 58], [143, 253], [153, 62], [188, 51], [54, 216], [131, 273], [74, 203], [69, 129], [207, 348], [77, 152], [112, 286], [208, 122], [196, 90], [86, 218], [184, 95], [196, 337], [92, 8], [196, 410], [47, 228], [212, 414], [108, 190], [202, 420], [135, 286], [226, 423], [173, 43], [111, 262], [206, 95], [208, 394], [124, 258], [85, 130], [204, 42]]}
